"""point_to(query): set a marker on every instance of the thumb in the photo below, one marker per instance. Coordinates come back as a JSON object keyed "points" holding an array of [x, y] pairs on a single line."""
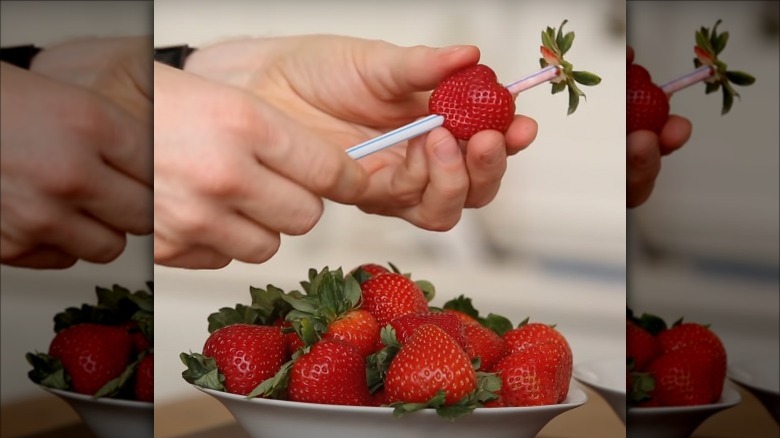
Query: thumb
{"points": [[418, 68]]}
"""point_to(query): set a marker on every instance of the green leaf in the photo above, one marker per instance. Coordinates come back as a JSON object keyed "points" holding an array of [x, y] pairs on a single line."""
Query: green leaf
{"points": [[427, 288], [497, 323], [574, 99], [586, 78], [276, 386], [47, 371], [712, 87], [543, 62], [652, 323], [121, 384], [566, 43], [557, 87], [728, 98], [241, 314], [436, 402], [462, 304], [202, 371], [548, 40], [740, 78], [720, 43]]}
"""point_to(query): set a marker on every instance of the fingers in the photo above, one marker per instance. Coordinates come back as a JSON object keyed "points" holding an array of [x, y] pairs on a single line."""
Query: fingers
{"points": [[191, 258], [404, 70], [674, 134], [41, 257], [520, 134], [643, 163], [486, 155]]}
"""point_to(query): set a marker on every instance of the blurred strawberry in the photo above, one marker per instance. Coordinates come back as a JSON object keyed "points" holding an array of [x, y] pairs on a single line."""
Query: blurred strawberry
{"points": [[641, 346], [531, 335], [647, 106], [331, 372], [144, 379], [688, 376], [92, 354], [485, 344]]}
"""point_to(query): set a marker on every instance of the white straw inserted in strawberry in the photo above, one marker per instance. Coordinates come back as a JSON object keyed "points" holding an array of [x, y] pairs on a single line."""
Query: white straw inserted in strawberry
{"points": [[431, 122], [691, 78]]}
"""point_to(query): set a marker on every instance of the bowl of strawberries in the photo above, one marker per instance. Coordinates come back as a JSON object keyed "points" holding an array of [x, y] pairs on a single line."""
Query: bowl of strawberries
{"points": [[366, 352], [676, 376], [101, 362]]}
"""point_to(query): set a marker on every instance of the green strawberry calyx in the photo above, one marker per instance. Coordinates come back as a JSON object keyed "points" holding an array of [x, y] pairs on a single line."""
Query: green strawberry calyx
{"points": [[554, 46], [709, 44]]}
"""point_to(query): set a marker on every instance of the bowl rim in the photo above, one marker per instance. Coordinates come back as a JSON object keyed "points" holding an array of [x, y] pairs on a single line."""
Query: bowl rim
{"points": [[739, 367], [576, 397], [100, 400], [729, 398], [580, 367]]}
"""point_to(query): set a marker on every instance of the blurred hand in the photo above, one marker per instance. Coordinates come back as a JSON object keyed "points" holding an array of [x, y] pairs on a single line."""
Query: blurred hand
{"points": [[75, 173], [644, 150], [232, 173], [346, 90]]}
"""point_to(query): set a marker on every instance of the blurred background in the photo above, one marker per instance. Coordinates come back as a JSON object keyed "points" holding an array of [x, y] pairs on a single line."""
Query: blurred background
{"points": [[552, 244], [705, 246], [29, 299]]}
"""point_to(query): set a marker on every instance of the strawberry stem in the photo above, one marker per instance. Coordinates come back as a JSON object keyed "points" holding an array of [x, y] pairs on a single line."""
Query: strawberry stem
{"points": [[700, 74]]}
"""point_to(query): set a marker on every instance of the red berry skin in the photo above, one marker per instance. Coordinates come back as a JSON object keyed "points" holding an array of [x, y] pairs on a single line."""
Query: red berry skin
{"points": [[391, 295], [647, 106], [529, 377], [92, 354], [686, 335], [688, 376], [431, 360], [332, 372], [641, 346], [472, 100], [405, 325], [144, 380], [484, 343], [357, 327], [532, 335], [247, 354]]}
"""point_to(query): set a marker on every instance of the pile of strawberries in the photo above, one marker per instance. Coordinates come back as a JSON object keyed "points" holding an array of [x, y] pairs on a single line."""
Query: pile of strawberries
{"points": [[102, 350], [371, 338], [681, 365]]}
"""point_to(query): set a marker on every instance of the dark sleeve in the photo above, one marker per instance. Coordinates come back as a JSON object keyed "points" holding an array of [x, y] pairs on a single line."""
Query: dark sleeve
{"points": [[175, 56], [20, 56]]}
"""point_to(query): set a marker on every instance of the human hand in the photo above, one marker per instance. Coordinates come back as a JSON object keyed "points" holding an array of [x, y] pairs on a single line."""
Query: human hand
{"points": [[117, 68], [75, 170], [644, 150], [232, 173], [347, 90]]}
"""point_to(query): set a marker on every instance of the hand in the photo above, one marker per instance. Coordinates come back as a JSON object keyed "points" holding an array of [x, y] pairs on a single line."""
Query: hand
{"points": [[75, 173], [232, 173], [644, 150], [347, 90]]}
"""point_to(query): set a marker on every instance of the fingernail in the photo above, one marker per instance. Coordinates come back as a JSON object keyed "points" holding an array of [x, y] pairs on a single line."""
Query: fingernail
{"points": [[447, 151]]}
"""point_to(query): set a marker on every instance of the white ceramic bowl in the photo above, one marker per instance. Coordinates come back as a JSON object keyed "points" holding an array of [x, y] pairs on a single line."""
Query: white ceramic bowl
{"points": [[262, 418], [608, 378], [678, 421], [111, 418], [760, 376]]}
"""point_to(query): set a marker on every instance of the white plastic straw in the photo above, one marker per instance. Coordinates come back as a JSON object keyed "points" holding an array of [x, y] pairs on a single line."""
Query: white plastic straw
{"points": [[429, 123], [691, 78]]}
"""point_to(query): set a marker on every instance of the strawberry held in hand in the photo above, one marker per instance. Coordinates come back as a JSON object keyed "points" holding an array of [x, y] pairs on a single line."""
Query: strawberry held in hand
{"points": [[473, 100], [647, 104]]}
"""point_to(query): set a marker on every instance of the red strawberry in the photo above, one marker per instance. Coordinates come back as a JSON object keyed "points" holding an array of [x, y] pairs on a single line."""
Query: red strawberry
{"points": [[332, 372], [531, 335], [431, 360], [685, 335], [144, 379], [688, 376], [391, 295], [140, 343], [486, 344], [294, 342], [405, 325], [358, 328], [92, 354], [530, 377], [246, 354], [372, 269], [647, 106], [641, 346], [472, 100], [463, 317]]}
